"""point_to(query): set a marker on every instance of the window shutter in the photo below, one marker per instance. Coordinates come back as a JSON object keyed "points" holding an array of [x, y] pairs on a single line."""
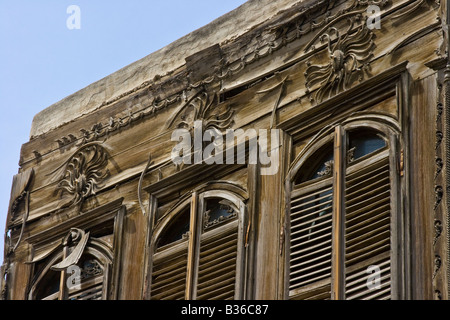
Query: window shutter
{"points": [[201, 263], [169, 273], [368, 229], [92, 293], [311, 241], [218, 262]]}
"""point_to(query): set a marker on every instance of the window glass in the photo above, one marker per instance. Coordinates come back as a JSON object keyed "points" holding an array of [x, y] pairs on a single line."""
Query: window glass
{"points": [[177, 230], [362, 143], [319, 165], [217, 211]]}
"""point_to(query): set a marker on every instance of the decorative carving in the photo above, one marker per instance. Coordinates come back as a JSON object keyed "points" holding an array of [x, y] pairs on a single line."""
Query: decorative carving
{"points": [[141, 179], [185, 235], [439, 192], [439, 166], [439, 137], [20, 194], [439, 110], [280, 85], [65, 141], [91, 268], [83, 173], [328, 169], [78, 236], [348, 60], [351, 155], [265, 43], [437, 265], [203, 107], [437, 231], [231, 214]]}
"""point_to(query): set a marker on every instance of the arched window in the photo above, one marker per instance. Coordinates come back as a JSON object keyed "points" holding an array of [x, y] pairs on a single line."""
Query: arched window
{"points": [[343, 215], [84, 278], [198, 249]]}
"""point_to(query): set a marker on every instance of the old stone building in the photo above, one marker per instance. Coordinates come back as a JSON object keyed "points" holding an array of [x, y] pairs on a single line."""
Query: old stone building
{"points": [[336, 186]]}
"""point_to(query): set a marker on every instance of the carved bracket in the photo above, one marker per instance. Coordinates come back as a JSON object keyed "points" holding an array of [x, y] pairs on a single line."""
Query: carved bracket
{"points": [[78, 236]]}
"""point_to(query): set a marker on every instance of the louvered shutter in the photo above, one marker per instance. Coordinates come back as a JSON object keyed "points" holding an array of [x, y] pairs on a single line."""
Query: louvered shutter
{"points": [[169, 273], [216, 279], [368, 229], [204, 265], [91, 293], [311, 241]]}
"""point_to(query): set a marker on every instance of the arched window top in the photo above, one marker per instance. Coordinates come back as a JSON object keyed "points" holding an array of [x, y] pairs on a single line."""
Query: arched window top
{"points": [[177, 230], [318, 165], [363, 142], [362, 139], [218, 211], [211, 224], [87, 279]]}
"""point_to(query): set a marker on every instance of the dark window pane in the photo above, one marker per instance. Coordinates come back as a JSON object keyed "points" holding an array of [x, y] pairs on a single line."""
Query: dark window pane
{"points": [[364, 143], [218, 210], [318, 165], [177, 229], [48, 285]]}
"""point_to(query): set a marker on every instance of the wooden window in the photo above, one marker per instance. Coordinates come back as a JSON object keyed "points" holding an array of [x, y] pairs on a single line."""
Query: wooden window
{"points": [[89, 280], [90, 286], [198, 251], [76, 259], [343, 218]]}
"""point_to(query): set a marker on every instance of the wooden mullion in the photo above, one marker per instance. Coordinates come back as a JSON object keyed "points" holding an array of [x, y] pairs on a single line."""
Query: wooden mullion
{"points": [[338, 281], [63, 294], [193, 233]]}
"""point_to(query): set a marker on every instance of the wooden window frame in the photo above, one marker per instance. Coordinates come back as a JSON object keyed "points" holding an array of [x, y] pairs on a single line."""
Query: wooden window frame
{"points": [[47, 245], [339, 134], [197, 200]]}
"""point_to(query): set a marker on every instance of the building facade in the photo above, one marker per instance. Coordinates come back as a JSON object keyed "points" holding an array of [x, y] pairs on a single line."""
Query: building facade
{"points": [[288, 150]]}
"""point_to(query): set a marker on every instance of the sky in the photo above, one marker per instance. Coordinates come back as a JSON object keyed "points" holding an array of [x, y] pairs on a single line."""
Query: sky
{"points": [[45, 55]]}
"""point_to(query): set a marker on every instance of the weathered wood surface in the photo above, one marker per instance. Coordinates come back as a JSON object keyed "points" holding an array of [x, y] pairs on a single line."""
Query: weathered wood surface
{"points": [[263, 83]]}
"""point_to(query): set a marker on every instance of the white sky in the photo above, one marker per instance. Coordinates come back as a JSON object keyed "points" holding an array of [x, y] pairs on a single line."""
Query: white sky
{"points": [[42, 61]]}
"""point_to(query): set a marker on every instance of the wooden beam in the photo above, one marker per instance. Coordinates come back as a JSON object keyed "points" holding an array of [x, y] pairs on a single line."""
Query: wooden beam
{"points": [[338, 275], [191, 249]]}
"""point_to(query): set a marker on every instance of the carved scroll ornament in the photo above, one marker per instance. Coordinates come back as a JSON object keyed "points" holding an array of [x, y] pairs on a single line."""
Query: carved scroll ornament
{"points": [[78, 236], [202, 106], [83, 173], [348, 56]]}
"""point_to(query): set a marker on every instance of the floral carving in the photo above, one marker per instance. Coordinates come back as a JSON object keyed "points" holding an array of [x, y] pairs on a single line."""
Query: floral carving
{"points": [[437, 231], [203, 106], [437, 265], [439, 166], [439, 192], [348, 60], [228, 214], [83, 173], [328, 169]]}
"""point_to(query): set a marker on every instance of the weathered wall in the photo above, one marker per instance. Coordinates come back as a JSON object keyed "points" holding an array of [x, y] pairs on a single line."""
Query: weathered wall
{"points": [[259, 62]]}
